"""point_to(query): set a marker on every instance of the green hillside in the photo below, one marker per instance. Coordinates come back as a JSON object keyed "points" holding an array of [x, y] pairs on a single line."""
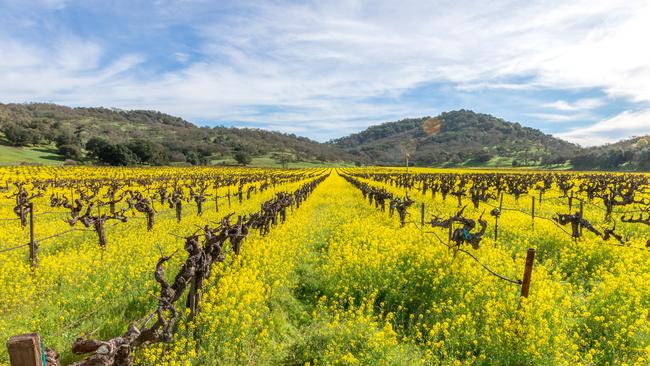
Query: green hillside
{"points": [[456, 138], [49, 134], [34, 129], [630, 154]]}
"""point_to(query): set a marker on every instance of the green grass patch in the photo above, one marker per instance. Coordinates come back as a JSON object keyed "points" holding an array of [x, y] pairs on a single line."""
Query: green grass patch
{"points": [[46, 155], [267, 161]]}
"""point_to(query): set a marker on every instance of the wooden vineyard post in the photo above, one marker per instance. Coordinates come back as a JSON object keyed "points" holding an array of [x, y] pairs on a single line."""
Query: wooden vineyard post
{"points": [[532, 212], [528, 272], [501, 202], [496, 229], [228, 197], [25, 350], [496, 220], [571, 202], [33, 248], [216, 199], [179, 210], [581, 212], [422, 215]]}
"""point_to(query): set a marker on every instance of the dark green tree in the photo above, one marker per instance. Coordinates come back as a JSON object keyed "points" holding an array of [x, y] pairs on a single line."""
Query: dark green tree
{"points": [[149, 152], [17, 135], [71, 152], [242, 156]]}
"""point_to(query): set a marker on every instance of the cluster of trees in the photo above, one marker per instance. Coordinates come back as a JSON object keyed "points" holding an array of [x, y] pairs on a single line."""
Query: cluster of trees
{"points": [[70, 129], [630, 154], [131, 153]]}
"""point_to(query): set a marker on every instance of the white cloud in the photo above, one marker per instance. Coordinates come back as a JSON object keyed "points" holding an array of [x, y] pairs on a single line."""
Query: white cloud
{"points": [[553, 117], [322, 61], [623, 125], [182, 57], [579, 105]]}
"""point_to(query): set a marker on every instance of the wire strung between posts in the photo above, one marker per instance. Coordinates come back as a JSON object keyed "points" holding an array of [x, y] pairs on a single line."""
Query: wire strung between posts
{"points": [[629, 247], [59, 234], [597, 206], [13, 248], [615, 212], [491, 271], [52, 213]]}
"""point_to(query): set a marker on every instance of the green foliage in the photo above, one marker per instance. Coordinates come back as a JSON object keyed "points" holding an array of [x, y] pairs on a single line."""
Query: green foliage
{"points": [[149, 152], [242, 156], [18, 135], [70, 152], [112, 154]]}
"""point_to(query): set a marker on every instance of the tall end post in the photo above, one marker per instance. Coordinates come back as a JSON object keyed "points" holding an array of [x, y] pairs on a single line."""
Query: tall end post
{"points": [[528, 272]]}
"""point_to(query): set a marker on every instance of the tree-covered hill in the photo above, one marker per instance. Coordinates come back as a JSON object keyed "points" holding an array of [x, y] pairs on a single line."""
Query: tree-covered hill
{"points": [[118, 137], [50, 133], [630, 154], [456, 138]]}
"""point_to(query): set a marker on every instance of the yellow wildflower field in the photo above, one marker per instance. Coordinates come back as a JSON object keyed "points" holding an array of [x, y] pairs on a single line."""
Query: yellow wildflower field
{"points": [[336, 280]]}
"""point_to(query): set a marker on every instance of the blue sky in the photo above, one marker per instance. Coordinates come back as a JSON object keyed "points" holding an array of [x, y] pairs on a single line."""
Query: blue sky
{"points": [[579, 70]]}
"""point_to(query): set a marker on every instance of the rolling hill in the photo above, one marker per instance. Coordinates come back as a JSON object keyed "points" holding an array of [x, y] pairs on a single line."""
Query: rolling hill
{"points": [[456, 138], [629, 154], [48, 134], [42, 126]]}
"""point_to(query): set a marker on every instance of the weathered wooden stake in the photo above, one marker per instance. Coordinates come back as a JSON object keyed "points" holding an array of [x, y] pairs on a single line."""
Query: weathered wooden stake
{"points": [[528, 272], [571, 202], [216, 199], [25, 350], [179, 210], [422, 215], [581, 213], [496, 220], [501, 202], [33, 247], [532, 212], [496, 229], [228, 197]]}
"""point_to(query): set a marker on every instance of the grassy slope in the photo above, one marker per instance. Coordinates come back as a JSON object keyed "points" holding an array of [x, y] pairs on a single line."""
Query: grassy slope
{"points": [[266, 161], [45, 155]]}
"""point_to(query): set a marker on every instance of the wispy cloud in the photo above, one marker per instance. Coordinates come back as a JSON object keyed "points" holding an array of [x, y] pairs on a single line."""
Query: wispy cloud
{"points": [[578, 105], [328, 68], [621, 126]]}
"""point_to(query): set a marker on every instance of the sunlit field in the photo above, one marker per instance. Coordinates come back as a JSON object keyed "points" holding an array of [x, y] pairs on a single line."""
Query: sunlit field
{"points": [[350, 266]]}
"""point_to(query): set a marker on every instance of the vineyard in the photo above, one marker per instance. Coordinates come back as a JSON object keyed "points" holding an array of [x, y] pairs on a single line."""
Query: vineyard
{"points": [[357, 266]]}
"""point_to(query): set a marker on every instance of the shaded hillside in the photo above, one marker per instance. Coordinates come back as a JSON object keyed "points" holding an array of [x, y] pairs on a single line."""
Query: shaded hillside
{"points": [[630, 154], [454, 138], [170, 138]]}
